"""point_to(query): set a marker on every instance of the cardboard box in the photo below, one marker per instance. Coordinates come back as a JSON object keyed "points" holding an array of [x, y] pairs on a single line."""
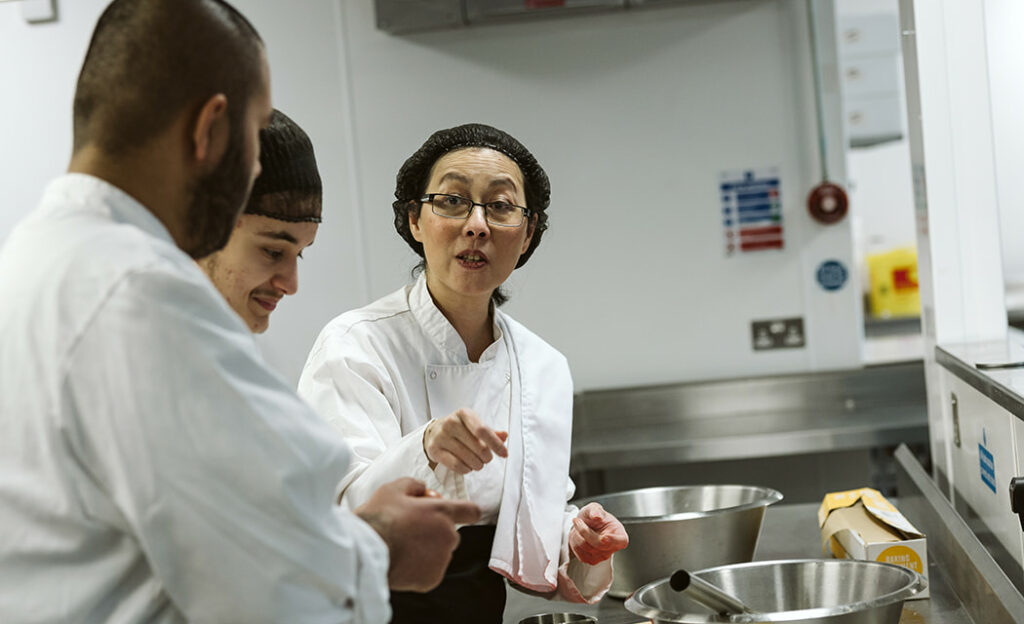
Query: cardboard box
{"points": [[862, 524]]}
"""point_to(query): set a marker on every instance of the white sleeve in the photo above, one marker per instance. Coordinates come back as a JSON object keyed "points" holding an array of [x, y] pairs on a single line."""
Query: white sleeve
{"points": [[578, 581], [223, 476], [351, 389]]}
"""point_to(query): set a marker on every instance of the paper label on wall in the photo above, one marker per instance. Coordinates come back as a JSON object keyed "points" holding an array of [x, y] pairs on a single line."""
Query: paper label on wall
{"points": [[751, 210]]}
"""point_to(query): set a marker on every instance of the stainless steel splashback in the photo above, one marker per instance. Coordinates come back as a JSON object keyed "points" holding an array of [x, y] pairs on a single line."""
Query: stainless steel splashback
{"points": [[407, 16]]}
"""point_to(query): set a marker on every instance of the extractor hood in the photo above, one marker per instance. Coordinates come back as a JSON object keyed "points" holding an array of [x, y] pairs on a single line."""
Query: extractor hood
{"points": [[407, 16]]}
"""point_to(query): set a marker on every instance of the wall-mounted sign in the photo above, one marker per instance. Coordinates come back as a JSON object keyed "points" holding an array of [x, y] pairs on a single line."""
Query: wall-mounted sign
{"points": [[751, 210], [831, 274]]}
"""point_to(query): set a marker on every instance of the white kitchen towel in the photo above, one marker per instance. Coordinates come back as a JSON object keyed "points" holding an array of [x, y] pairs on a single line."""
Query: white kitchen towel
{"points": [[528, 538]]}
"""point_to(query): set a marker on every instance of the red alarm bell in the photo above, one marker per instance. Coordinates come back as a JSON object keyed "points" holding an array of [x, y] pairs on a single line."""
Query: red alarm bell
{"points": [[827, 203]]}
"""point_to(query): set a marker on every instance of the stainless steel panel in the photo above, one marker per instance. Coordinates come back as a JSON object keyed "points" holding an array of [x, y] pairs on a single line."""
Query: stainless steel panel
{"points": [[478, 11], [746, 418], [987, 593], [404, 16], [1005, 386], [408, 16]]}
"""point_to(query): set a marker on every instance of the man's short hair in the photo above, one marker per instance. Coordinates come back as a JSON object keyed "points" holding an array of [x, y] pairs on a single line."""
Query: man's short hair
{"points": [[151, 59]]}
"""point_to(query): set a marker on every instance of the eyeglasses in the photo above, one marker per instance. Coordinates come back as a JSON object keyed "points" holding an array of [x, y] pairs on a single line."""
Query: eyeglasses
{"points": [[499, 213]]}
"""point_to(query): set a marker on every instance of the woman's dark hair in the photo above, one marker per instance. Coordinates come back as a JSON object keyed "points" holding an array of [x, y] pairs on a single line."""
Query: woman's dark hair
{"points": [[411, 182]]}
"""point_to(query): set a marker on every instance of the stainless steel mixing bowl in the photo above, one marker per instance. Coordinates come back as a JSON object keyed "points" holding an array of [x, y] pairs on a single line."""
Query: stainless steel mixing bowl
{"points": [[559, 618], [810, 591], [690, 527]]}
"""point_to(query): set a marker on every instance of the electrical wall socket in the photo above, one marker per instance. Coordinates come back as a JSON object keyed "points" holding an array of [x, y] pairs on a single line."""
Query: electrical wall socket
{"points": [[785, 333]]}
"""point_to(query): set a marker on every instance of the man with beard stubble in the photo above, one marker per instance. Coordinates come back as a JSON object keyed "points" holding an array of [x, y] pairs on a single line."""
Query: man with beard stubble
{"points": [[152, 468]]}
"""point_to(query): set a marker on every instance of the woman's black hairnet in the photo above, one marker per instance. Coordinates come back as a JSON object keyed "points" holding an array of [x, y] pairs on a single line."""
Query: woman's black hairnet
{"points": [[411, 182]]}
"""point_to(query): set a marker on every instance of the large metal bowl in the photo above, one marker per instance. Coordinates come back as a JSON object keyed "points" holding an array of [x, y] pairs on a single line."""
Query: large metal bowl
{"points": [[690, 527], [810, 591]]}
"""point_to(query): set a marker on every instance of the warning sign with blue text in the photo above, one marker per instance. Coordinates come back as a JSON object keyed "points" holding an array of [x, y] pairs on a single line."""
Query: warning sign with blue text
{"points": [[751, 210]]}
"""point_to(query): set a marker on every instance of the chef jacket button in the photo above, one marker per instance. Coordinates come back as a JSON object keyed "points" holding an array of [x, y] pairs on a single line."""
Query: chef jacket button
{"points": [[350, 604], [508, 376], [433, 374]]}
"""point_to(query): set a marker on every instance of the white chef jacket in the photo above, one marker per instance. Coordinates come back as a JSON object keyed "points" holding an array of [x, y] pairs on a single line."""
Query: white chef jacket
{"points": [[152, 468], [381, 373]]}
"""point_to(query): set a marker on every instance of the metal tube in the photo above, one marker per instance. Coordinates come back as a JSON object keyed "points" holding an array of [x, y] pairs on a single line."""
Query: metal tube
{"points": [[707, 594]]}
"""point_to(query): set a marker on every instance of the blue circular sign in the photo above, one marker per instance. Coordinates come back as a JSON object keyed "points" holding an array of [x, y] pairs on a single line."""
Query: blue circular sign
{"points": [[831, 274]]}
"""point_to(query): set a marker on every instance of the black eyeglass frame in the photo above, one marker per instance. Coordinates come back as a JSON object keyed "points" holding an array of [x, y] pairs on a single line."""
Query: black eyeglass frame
{"points": [[429, 198]]}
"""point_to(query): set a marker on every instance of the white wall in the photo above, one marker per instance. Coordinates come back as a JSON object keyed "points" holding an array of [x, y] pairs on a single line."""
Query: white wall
{"points": [[884, 212], [633, 114], [1003, 22], [882, 196], [308, 74], [38, 69], [881, 193], [956, 193]]}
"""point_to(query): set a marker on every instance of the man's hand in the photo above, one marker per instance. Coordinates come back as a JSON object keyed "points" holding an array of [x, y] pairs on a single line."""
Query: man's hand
{"points": [[419, 529], [461, 442], [596, 534]]}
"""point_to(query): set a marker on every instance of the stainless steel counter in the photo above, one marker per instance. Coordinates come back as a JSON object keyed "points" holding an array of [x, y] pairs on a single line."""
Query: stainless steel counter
{"points": [[1005, 386], [966, 584]]}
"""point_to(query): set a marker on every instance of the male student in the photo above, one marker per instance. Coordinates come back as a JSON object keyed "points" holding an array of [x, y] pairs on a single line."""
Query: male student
{"points": [[259, 264], [152, 469]]}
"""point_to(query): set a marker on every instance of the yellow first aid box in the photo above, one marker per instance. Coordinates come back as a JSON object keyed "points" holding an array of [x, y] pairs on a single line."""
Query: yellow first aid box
{"points": [[893, 279]]}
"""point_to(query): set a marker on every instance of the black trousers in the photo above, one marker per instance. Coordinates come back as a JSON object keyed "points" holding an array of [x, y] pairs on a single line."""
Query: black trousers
{"points": [[470, 591]]}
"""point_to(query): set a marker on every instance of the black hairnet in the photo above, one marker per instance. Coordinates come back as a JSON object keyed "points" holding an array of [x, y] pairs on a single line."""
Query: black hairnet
{"points": [[288, 187], [412, 178]]}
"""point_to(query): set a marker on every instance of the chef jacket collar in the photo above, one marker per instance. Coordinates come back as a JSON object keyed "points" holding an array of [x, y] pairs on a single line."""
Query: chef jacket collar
{"points": [[85, 192], [440, 330]]}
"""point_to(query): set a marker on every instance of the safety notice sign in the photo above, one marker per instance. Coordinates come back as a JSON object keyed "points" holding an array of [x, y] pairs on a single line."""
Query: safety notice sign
{"points": [[751, 210]]}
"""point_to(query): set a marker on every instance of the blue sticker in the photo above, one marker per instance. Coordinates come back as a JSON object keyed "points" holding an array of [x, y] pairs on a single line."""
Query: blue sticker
{"points": [[831, 275], [987, 463]]}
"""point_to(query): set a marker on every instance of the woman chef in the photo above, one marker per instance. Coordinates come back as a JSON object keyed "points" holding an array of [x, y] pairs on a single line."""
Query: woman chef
{"points": [[435, 382]]}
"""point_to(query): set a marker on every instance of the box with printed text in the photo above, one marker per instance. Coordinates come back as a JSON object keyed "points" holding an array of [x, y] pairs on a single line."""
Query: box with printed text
{"points": [[863, 524]]}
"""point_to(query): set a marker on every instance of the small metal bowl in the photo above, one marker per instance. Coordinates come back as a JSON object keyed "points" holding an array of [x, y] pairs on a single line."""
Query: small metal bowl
{"points": [[559, 618], [810, 591]]}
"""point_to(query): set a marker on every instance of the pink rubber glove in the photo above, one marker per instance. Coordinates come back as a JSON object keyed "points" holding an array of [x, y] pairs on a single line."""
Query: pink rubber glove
{"points": [[596, 534]]}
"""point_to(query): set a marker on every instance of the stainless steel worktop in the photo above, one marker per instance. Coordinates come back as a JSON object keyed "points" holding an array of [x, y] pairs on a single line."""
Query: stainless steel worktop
{"points": [[972, 363], [789, 531], [966, 584]]}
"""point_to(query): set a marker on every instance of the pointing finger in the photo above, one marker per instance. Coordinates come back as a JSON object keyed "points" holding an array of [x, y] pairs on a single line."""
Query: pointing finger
{"points": [[479, 437], [491, 438]]}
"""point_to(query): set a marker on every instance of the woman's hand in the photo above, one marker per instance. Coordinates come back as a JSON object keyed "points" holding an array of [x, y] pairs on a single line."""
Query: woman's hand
{"points": [[596, 534], [461, 442]]}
